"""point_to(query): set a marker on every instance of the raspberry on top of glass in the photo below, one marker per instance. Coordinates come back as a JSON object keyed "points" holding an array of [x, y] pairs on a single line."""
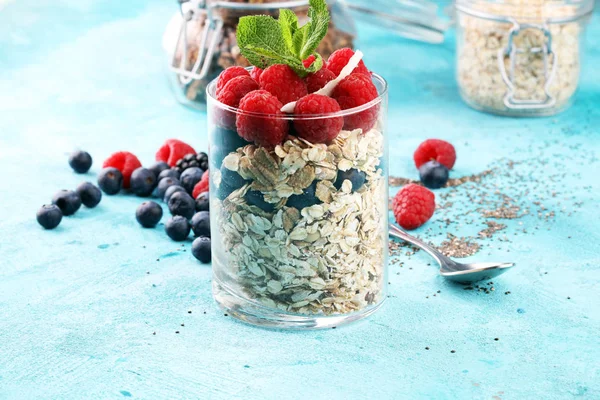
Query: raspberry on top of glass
{"points": [[289, 77]]}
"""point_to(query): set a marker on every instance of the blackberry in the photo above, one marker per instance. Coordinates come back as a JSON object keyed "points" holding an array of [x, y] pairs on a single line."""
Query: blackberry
{"points": [[199, 160]]}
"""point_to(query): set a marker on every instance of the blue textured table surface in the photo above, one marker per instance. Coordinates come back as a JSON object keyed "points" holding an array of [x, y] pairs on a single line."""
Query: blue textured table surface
{"points": [[89, 311]]}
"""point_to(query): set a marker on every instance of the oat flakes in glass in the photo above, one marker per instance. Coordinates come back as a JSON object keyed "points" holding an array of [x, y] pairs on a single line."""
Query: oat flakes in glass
{"points": [[200, 41], [520, 58], [294, 244]]}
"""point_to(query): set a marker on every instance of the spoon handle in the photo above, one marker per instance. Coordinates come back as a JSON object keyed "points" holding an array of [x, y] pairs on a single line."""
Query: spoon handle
{"points": [[439, 257]]}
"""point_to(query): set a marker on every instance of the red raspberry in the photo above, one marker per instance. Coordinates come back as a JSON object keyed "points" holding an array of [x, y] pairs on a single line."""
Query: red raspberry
{"points": [[235, 89], [353, 91], [265, 130], [317, 80], [173, 150], [125, 162], [201, 186], [322, 130], [338, 60], [282, 82], [230, 95], [255, 73], [228, 75], [308, 61], [435, 149], [413, 205]]}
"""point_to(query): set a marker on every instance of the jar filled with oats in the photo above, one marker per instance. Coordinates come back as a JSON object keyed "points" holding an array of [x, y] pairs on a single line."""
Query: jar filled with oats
{"points": [[299, 227], [200, 41], [520, 57]]}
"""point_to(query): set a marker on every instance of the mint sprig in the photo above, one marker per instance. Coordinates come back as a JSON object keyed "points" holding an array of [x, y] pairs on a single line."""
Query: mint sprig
{"points": [[265, 41]]}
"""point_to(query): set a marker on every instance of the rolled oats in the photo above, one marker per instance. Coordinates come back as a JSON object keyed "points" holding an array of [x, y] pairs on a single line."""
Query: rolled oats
{"points": [[325, 258]]}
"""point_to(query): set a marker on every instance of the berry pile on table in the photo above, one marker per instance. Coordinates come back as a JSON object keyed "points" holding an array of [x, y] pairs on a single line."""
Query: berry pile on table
{"points": [[178, 174]]}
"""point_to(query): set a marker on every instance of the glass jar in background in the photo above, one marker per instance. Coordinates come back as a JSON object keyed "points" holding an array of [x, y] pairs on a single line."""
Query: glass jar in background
{"points": [[201, 40], [299, 231], [520, 58]]}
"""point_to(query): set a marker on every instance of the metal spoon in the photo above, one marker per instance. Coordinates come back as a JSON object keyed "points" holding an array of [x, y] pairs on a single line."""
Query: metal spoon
{"points": [[450, 269]]}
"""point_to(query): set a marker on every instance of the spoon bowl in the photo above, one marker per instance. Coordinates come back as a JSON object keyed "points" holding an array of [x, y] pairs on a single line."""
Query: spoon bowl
{"points": [[450, 269]]}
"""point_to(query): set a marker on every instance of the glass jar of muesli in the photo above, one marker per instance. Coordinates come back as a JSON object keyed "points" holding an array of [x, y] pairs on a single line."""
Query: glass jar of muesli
{"points": [[201, 40], [299, 230], [520, 58]]}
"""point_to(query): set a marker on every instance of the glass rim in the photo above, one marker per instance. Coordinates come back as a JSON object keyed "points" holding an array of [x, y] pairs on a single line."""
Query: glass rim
{"points": [[553, 10], [210, 88]]}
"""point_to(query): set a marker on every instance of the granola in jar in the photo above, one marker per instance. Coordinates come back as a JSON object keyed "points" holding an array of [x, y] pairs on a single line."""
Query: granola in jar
{"points": [[519, 58], [221, 24]]}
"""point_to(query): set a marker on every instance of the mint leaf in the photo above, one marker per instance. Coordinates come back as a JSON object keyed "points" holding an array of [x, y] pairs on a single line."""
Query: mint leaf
{"points": [[265, 41], [299, 39], [317, 27], [289, 25], [260, 39]]}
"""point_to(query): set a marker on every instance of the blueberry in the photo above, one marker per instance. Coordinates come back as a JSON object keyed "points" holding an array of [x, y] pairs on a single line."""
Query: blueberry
{"points": [[49, 216], [223, 142], [201, 249], [89, 193], [306, 199], [143, 182], [201, 223], [80, 161], [110, 180], [233, 179], [172, 190], [256, 198], [190, 177], [177, 228], [164, 184], [182, 204], [433, 174], [169, 173], [159, 167], [224, 190], [202, 203], [148, 214], [356, 177], [68, 201]]}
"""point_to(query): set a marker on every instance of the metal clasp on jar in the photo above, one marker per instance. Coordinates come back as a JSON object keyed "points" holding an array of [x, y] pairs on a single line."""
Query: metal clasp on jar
{"points": [[512, 51], [213, 27]]}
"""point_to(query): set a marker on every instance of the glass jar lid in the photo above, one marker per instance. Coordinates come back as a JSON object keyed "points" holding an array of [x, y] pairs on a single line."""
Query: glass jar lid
{"points": [[527, 11]]}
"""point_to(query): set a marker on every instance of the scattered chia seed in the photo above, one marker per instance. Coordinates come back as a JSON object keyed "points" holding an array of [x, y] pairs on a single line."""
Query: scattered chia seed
{"points": [[176, 331], [426, 348], [452, 351]]}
